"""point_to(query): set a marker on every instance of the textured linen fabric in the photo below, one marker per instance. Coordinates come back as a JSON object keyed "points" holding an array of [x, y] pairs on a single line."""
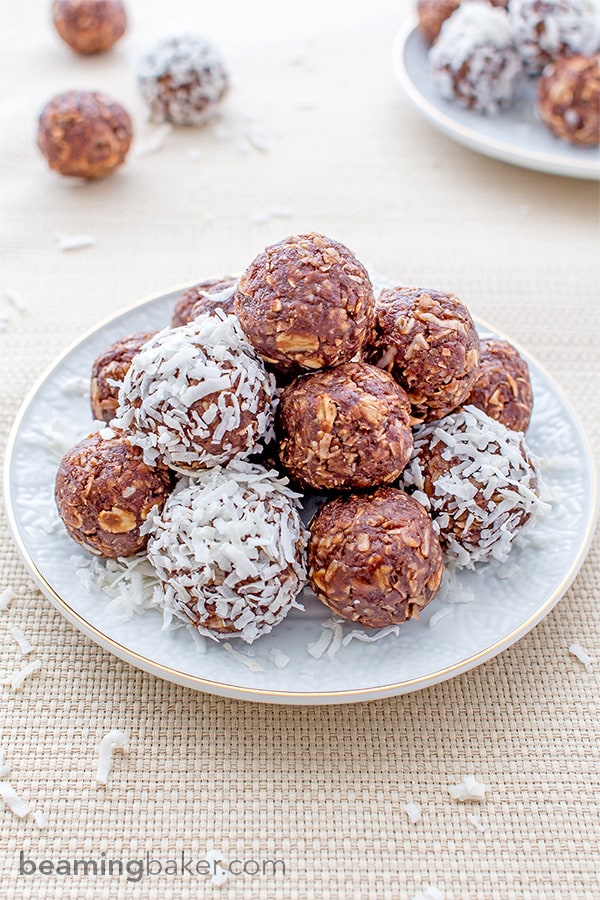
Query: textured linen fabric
{"points": [[315, 134]]}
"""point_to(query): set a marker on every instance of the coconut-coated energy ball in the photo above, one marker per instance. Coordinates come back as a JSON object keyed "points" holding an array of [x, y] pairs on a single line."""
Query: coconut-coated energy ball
{"points": [[214, 293], [374, 558], [305, 303], [478, 481], [568, 99], [197, 396], [502, 388], [84, 134], [108, 371], [89, 26], [229, 551], [473, 62], [105, 492], [546, 30], [347, 427], [183, 80], [426, 339]]}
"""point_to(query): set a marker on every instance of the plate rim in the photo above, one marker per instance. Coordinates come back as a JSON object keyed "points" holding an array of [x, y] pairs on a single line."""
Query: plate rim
{"points": [[196, 682], [471, 137]]}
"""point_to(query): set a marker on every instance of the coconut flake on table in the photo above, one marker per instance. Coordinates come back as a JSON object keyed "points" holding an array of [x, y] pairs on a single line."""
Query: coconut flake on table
{"points": [[412, 811], [6, 598], [430, 893], [114, 740], [475, 821], [74, 241], [4, 767], [16, 301], [17, 679], [40, 819], [19, 636], [583, 657], [219, 873], [468, 789], [15, 803], [155, 142]]}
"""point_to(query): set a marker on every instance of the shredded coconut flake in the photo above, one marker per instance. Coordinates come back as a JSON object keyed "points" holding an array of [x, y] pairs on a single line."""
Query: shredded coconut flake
{"points": [[39, 819], [74, 241], [114, 740], [440, 614], [6, 598], [155, 142], [412, 811], [468, 789], [369, 638], [245, 660], [583, 657], [278, 658], [430, 893], [4, 767], [475, 821], [21, 640], [17, 679], [15, 803]]}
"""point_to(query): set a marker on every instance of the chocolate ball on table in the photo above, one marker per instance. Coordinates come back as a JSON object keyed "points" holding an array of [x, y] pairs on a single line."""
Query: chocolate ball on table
{"points": [[347, 427], [374, 558], [105, 492], [502, 388], [84, 134], [427, 341], [89, 26], [305, 303], [568, 99], [214, 293], [108, 371]]}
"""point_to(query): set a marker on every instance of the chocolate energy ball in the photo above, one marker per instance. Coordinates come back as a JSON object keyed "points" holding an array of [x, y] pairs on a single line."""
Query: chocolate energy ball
{"points": [[374, 558], [215, 293], [305, 303], [545, 30], [105, 492], [197, 395], [473, 62], [433, 13], [89, 26], [183, 80], [84, 134], [478, 480], [568, 99], [427, 340], [229, 550], [347, 427], [109, 370], [502, 388]]}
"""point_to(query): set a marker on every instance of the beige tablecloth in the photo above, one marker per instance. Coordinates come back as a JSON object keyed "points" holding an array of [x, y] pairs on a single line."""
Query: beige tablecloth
{"points": [[316, 134]]}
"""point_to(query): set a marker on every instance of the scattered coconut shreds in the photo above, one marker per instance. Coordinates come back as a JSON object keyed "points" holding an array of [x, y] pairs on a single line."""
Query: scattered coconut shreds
{"points": [[475, 821], [6, 598], [39, 818], [318, 648], [430, 893], [75, 241], [278, 658], [469, 789], [583, 657], [247, 661], [440, 614], [21, 640], [4, 767], [15, 803], [17, 678], [412, 811], [114, 740], [155, 142], [336, 641], [367, 638]]}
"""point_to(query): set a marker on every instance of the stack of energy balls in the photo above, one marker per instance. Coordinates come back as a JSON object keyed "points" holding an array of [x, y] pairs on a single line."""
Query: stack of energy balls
{"points": [[388, 410], [483, 50]]}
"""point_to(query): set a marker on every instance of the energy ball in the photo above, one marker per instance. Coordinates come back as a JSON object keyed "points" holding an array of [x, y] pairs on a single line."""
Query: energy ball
{"points": [[473, 62], [89, 26], [568, 99], [502, 388], [347, 427], [183, 80], [215, 293], [426, 339], [105, 492], [479, 482], [374, 558], [433, 13], [305, 303], [84, 134], [197, 396], [544, 30], [229, 550], [109, 370]]}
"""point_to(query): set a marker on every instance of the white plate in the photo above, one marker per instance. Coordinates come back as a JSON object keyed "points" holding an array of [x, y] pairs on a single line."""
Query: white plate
{"points": [[505, 603], [515, 136]]}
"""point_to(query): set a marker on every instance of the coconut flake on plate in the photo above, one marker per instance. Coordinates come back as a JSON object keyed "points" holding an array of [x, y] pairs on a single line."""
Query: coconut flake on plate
{"points": [[244, 659]]}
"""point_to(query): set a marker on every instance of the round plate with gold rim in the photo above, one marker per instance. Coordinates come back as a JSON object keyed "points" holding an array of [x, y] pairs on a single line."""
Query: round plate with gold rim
{"points": [[477, 615]]}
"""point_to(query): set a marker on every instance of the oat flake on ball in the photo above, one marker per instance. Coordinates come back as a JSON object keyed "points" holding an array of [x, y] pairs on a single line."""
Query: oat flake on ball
{"points": [[183, 80], [229, 551], [197, 396]]}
